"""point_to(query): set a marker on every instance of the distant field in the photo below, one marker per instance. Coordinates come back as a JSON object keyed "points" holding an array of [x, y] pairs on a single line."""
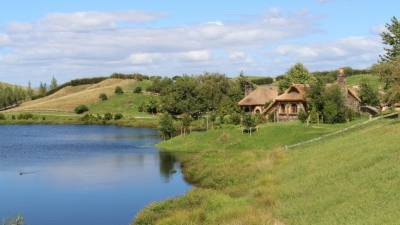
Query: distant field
{"points": [[66, 99], [355, 80]]}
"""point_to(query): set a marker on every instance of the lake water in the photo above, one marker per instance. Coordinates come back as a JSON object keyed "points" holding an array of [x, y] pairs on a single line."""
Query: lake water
{"points": [[83, 175]]}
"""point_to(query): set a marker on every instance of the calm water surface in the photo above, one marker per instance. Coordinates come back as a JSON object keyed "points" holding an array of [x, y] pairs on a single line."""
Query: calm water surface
{"points": [[83, 175]]}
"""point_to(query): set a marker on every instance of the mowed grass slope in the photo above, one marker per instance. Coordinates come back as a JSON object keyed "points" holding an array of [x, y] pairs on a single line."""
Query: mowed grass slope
{"points": [[233, 172], [66, 99], [351, 179], [348, 179]]}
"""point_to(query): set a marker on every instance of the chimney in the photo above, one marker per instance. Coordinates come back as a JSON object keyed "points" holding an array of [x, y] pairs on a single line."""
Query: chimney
{"points": [[247, 89], [341, 78]]}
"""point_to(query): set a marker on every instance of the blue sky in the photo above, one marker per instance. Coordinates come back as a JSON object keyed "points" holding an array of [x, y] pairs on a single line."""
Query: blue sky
{"points": [[71, 39]]}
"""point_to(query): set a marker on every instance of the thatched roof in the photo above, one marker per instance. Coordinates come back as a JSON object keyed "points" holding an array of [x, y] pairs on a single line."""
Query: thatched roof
{"points": [[354, 92], [296, 92], [262, 95]]}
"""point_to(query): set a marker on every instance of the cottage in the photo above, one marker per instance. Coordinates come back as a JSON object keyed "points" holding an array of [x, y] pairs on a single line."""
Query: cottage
{"points": [[288, 105], [257, 100]]}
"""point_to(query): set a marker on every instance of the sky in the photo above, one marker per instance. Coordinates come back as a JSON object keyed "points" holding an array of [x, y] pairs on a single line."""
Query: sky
{"points": [[71, 39]]}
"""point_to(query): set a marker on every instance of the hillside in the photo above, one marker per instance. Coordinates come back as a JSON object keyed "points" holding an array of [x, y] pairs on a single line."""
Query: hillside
{"points": [[355, 80], [347, 179], [66, 99]]}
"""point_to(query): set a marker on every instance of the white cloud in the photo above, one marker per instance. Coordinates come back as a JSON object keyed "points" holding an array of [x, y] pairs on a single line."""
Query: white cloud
{"points": [[4, 39], [357, 51], [93, 43]]}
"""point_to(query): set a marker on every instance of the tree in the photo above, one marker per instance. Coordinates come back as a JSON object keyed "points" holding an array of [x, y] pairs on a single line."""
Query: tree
{"points": [[316, 100], [390, 74], [152, 106], [81, 109], [42, 89], [30, 90], [137, 90], [53, 84], [103, 97], [249, 122], [391, 38], [186, 122], [335, 110], [118, 90], [368, 95], [166, 126], [297, 74]]}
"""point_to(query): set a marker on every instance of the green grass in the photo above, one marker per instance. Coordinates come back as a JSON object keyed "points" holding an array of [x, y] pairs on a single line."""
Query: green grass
{"points": [[126, 104], [374, 80], [352, 178]]}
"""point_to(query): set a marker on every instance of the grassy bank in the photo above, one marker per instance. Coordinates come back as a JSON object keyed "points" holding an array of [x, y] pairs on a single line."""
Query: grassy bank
{"points": [[245, 179], [70, 118]]}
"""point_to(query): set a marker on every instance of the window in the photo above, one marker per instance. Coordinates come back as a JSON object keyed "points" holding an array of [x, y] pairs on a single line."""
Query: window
{"points": [[282, 109], [294, 108]]}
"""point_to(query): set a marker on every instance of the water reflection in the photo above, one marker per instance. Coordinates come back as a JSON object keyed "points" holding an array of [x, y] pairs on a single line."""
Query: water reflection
{"points": [[168, 164]]}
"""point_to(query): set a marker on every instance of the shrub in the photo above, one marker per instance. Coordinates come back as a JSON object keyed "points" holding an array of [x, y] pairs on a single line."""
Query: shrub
{"points": [[118, 90], [235, 119], [2, 116], [137, 90], [108, 116], [25, 116], [118, 116], [13, 117], [81, 109], [103, 97], [88, 118], [302, 116], [259, 118], [141, 107]]}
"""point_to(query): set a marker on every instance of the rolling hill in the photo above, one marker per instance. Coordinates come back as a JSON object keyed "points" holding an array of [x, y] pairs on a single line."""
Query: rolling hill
{"points": [[66, 99]]}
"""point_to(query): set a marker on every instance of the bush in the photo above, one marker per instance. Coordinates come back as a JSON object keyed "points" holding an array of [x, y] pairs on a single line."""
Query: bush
{"points": [[302, 116], [118, 90], [118, 116], [2, 116], [137, 90], [90, 118], [259, 118], [25, 116], [81, 109], [235, 119], [108, 116], [103, 97], [13, 117]]}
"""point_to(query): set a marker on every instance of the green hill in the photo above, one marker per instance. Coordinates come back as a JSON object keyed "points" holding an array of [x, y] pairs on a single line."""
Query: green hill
{"points": [[355, 80], [352, 178]]}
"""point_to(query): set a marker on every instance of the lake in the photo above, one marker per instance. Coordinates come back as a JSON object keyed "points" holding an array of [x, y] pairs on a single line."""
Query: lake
{"points": [[83, 175]]}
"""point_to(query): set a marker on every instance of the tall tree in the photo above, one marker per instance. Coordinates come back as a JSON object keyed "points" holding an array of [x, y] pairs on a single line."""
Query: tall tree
{"points": [[391, 38], [297, 74], [42, 89], [30, 90], [53, 84]]}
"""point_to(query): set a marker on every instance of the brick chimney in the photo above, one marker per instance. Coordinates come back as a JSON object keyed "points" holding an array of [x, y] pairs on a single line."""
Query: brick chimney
{"points": [[341, 78]]}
